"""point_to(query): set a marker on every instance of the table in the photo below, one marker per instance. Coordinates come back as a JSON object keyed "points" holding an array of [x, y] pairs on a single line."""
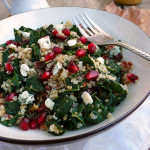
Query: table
{"points": [[97, 4]]}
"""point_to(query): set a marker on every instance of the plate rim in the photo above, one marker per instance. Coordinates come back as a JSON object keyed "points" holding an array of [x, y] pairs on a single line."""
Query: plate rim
{"points": [[84, 135]]}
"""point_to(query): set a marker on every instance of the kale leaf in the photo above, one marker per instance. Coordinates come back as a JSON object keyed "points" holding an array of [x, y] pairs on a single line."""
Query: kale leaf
{"points": [[5, 56], [87, 60]]}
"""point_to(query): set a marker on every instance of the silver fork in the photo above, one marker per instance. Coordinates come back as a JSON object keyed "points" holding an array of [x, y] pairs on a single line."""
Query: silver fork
{"points": [[95, 34]]}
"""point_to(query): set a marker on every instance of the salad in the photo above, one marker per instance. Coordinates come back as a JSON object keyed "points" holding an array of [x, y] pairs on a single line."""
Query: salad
{"points": [[54, 79]]}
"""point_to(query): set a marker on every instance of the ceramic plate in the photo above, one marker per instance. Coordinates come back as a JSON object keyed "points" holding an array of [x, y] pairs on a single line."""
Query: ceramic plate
{"points": [[112, 24]]}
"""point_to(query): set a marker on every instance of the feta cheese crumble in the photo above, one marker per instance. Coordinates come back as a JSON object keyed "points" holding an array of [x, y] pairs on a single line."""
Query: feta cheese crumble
{"points": [[49, 103], [79, 125], [24, 69], [45, 42], [26, 35], [87, 98], [53, 128], [57, 67], [12, 46], [58, 26], [72, 42], [26, 98], [100, 60], [115, 51]]}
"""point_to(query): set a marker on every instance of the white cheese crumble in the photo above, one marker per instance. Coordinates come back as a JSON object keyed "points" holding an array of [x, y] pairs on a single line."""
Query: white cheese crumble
{"points": [[26, 98], [100, 60], [93, 116], [53, 128], [58, 26], [26, 35], [6, 86], [79, 125], [115, 51], [72, 42], [49, 103], [2, 110], [86, 98], [12, 46], [124, 87], [45, 42], [57, 67], [24, 69]]}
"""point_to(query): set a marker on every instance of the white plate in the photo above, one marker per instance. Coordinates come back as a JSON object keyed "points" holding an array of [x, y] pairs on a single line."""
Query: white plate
{"points": [[114, 25]]}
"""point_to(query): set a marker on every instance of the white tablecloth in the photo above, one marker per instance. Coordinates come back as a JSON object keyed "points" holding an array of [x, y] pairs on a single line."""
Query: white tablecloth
{"points": [[131, 134]]}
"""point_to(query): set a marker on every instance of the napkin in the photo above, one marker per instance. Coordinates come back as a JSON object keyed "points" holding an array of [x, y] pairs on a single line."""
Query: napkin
{"points": [[138, 16], [133, 133]]}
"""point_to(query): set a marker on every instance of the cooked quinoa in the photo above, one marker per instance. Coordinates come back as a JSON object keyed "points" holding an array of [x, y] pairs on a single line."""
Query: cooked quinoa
{"points": [[54, 79]]}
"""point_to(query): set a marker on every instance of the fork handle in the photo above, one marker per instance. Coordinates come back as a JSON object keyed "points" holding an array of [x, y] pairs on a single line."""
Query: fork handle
{"points": [[134, 50]]}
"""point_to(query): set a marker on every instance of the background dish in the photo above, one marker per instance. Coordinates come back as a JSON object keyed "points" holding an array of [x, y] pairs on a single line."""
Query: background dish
{"points": [[112, 24]]}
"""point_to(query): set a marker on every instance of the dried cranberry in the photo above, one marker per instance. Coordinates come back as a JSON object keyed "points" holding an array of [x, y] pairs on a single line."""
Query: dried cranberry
{"points": [[118, 57], [16, 43], [42, 107]]}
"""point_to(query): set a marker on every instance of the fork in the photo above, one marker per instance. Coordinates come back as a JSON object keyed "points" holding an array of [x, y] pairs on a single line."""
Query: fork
{"points": [[95, 34]]}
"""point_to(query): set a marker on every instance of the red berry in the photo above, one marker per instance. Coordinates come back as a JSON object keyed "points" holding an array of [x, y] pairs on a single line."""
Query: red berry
{"points": [[41, 117], [47, 87], [66, 31], [132, 77], [10, 96], [50, 56], [72, 67], [9, 42], [33, 123], [57, 50], [83, 39], [42, 107], [9, 67], [81, 52], [61, 37], [91, 48], [45, 75], [24, 124], [40, 64], [16, 43], [92, 75], [54, 32]]}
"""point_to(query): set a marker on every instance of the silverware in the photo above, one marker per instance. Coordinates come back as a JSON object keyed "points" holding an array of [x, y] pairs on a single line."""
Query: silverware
{"points": [[95, 34]]}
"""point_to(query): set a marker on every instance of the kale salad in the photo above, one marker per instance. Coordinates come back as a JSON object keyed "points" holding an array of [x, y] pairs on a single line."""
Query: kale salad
{"points": [[54, 79]]}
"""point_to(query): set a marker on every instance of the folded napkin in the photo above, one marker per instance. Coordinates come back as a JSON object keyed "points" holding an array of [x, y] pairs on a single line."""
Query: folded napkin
{"points": [[138, 16]]}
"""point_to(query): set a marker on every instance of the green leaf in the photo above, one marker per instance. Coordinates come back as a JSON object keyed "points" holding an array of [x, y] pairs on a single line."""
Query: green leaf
{"points": [[10, 122], [34, 85], [59, 127], [18, 36], [12, 107], [15, 80], [75, 29], [63, 106], [34, 36], [24, 29], [36, 55], [5, 56], [87, 60]]}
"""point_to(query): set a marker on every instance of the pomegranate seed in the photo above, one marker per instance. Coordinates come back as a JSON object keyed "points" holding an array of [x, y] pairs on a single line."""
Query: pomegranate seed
{"points": [[54, 32], [105, 57], [66, 31], [91, 48], [16, 43], [92, 75], [50, 56], [40, 64], [42, 117], [61, 37], [10, 96], [47, 87], [72, 67], [11, 58], [132, 77], [24, 124], [83, 39], [9, 67], [33, 123], [80, 52], [45, 75], [9, 42], [57, 50], [42, 107]]}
